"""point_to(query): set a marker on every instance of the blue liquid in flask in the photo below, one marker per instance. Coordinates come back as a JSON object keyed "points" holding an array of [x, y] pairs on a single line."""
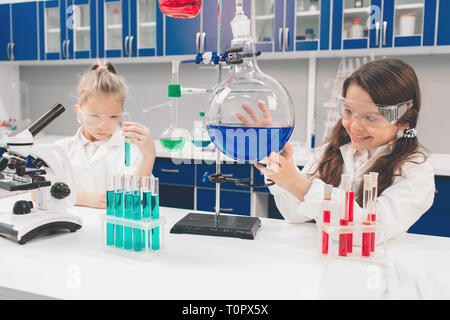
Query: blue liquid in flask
{"points": [[249, 143]]}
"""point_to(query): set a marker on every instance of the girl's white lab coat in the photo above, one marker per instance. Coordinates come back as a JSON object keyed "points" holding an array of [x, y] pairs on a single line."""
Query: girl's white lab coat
{"points": [[91, 175], [399, 206]]}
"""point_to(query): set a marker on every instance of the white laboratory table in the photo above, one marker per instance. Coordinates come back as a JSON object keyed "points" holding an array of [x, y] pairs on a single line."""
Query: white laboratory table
{"points": [[281, 263]]}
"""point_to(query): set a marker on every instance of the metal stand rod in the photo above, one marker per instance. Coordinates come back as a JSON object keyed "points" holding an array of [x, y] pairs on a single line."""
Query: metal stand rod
{"points": [[219, 80]]}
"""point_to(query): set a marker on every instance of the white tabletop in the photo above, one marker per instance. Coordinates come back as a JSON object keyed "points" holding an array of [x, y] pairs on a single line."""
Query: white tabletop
{"points": [[281, 263]]}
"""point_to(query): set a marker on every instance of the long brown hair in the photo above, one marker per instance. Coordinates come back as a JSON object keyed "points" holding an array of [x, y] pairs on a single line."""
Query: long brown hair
{"points": [[388, 82]]}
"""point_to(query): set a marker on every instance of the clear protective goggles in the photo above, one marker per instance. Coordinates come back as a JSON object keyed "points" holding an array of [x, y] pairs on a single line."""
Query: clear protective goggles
{"points": [[102, 119], [372, 115]]}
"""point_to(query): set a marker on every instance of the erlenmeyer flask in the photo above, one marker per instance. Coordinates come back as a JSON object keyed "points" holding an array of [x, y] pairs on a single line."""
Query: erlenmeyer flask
{"points": [[184, 9], [251, 114]]}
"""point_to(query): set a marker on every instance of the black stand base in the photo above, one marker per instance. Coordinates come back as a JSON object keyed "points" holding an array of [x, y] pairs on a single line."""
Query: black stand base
{"points": [[227, 225]]}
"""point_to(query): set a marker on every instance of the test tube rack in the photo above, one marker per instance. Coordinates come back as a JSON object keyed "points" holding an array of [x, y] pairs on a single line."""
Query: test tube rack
{"points": [[332, 236], [149, 243]]}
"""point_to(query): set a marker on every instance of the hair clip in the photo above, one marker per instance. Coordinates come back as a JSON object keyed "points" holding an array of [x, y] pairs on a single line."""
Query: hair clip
{"points": [[102, 67], [408, 133]]}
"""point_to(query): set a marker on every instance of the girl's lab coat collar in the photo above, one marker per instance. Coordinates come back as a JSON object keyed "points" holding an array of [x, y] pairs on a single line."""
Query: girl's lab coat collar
{"points": [[116, 140]]}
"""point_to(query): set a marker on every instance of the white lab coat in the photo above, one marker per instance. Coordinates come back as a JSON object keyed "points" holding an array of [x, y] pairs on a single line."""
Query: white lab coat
{"points": [[398, 207], [91, 175]]}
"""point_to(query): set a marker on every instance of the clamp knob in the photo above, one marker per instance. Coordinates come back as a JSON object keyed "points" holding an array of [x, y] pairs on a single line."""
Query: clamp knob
{"points": [[22, 207]]}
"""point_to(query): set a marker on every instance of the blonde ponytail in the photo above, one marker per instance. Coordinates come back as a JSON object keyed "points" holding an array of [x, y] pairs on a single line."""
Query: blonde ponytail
{"points": [[101, 79]]}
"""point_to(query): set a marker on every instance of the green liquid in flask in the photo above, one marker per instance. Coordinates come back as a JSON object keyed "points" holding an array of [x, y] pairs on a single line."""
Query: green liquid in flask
{"points": [[173, 145]]}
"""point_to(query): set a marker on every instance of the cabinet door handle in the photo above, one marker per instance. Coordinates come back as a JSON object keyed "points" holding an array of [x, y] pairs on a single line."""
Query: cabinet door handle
{"points": [[197, 42], [130, 46], [286, 39], [170, 170], [8, 52], [202, 42], [67, 49], [64, 49], [377, 26], [385, 25], [226, 210], [280, 34], [126, 46], [12, 50]]}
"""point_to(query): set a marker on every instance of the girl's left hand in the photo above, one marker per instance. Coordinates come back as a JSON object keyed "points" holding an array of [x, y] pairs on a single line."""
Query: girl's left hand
{"points": [[140, 136], [281, 169]]}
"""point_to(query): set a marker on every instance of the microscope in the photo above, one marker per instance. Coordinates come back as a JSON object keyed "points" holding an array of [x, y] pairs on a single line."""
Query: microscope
{"points": [[51, 180]]}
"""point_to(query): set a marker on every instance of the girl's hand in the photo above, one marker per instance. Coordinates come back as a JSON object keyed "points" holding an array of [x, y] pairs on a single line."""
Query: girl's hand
{"points": [[265, 121], [281, 169], [95, 199], [140, 136]]}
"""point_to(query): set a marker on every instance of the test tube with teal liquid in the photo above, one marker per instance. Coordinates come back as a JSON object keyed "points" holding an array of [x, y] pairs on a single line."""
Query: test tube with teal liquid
{"points": [[128, 238], [110, 210], [138, 241], [146, 198], [118, 209], [155, 214], [126, 117]]}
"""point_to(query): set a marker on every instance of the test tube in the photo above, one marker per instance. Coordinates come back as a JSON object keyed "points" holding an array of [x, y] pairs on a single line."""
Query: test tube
{"points": [[127, 153], [146, 197], [367, 204], [110, 210], [349, 202], [128, 242], [118, 208], [373, 216], [137, 214], [326, 215], [155, 214]]}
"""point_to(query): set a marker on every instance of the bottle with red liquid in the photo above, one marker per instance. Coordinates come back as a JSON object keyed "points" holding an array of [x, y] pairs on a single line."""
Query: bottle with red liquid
{"points": [[373, 213], [184, 9]]}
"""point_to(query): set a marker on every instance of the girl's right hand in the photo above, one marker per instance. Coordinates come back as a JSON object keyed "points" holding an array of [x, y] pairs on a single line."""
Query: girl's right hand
{"points": [[96, 199]]}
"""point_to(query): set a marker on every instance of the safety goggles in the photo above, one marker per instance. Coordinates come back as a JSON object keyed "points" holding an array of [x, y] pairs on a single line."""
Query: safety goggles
{"points": [[372, 115], [102, 119]]}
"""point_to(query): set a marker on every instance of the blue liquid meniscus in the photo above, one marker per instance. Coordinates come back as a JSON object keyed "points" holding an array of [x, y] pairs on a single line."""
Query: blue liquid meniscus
{"points": [[249, 143]]}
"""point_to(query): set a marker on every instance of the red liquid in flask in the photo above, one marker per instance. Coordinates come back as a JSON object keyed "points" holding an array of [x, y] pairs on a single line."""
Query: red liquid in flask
{"points": [[184, 9]]}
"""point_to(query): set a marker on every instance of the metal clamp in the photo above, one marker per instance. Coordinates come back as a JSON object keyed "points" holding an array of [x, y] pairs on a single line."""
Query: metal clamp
{"points": [[247, 182]]}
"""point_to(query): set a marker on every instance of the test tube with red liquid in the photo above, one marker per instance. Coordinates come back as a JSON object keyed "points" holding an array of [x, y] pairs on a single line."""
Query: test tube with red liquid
{"points": [[373, 213], [367, 206], [349, 203], [326, 215]]}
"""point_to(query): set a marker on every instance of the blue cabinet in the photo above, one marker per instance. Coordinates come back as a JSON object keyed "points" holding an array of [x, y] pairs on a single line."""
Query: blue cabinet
{"points": [[52, 30], [443, 32], [81, 17], [113, 28], [230, 201], [199, 34], [5, 34], [383, 24], [311, 24], [172, 173], [436, 221], [24, 44]]}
